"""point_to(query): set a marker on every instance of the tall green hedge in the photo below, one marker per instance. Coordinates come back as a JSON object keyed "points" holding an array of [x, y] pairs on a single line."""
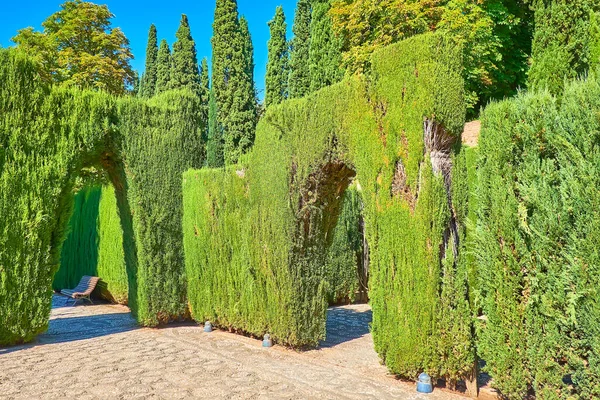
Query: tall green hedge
{"points": [[345, 254], [257, 235], [537, 243], [47, 136], [79, 255], [94, 245]]}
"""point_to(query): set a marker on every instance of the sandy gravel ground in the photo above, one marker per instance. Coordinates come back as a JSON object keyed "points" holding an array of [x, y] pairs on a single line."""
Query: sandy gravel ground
{"points": [[98, 352]]}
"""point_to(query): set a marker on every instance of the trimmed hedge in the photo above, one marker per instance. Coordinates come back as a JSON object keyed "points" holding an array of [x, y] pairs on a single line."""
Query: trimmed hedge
{"points": [[537, 243], [345, 255], [257, 236], [94, 245], [47, 136]]}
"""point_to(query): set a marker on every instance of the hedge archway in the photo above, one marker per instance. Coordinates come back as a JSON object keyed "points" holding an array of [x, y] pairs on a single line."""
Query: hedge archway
{"points": [[47, 135], [256, 234]]}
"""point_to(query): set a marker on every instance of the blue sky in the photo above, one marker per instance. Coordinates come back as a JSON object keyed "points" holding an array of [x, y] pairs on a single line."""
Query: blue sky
{"points": [[135, 16]]}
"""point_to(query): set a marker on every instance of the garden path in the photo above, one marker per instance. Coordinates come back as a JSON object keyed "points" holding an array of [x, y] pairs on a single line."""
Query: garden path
{"points": [[98, 352]]}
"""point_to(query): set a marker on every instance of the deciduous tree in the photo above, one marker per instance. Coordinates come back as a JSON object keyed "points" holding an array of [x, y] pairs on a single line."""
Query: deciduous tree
{"points": [[78, 47]]}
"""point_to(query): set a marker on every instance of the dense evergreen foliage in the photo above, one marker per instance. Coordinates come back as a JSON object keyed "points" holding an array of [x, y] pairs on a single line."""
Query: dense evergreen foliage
{"points": [[232, 80], [79, 47], [149, 83], [345, 255], [561, 42], [276, 87], [215, 156], [94, 245], [144, 147], [267, 271], [185, 72], [163, 70], [299, 81], [324, 55], [537, 243]]}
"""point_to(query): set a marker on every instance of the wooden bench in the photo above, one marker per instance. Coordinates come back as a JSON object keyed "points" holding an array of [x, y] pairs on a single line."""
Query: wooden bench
{"points": [[83, 290]]}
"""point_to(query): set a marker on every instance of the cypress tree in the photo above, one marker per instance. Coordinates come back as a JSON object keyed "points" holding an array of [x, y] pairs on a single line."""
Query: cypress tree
{"points": [[185, 62], [204, 94], [325, 56], [299, 84], [163, 76], [250, 97], [149, 79], [560, 43], [277, 66], [214, 144], [233, 82]]}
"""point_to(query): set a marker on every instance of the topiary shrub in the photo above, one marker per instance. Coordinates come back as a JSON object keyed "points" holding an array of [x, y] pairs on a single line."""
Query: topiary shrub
{"points": [[257, 236], [48, 136]]}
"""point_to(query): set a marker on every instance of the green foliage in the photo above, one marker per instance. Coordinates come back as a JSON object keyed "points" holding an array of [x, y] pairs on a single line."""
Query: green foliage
{"points": [[163, 69], [561, 42], [594, 41], [257, 236], [150, 82], [48, 136], [299, 80], [495, 36], [111, 255], [205, 95], [185, 72], [78, 47], [94, 245], [232, 80], [214, 145], [324, 55], [537, 243], [79, 254], [276, 88], [346, 250]]}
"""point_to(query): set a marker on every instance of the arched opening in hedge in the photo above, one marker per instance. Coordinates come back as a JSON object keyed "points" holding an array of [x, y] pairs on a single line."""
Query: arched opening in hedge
{"points": [[256, 234], [99, 239], [47, 137]]}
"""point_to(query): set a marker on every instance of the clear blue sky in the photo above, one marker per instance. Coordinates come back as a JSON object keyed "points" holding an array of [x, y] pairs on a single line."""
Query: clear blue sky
{"points": [[135, 16]]}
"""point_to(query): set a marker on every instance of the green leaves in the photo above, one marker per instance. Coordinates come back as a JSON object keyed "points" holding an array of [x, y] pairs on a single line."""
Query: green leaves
{"points": [[78, 47]]}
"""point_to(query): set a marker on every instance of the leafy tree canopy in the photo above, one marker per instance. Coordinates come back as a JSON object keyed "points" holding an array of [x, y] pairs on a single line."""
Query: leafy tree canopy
{"points": [[495, 34], [78, 47]]}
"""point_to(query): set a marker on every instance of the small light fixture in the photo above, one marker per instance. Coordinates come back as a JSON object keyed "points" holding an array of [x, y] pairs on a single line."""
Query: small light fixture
{"points": [[424, 383], [207, 326], [267, 342]]}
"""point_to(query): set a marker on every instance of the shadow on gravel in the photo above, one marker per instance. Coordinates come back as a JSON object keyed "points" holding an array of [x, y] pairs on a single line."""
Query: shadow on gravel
{"points": [[72, 326], [344, 325]]}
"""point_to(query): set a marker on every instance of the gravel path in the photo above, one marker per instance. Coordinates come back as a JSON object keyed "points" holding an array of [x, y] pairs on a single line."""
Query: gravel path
{"points": [[98, 352]]}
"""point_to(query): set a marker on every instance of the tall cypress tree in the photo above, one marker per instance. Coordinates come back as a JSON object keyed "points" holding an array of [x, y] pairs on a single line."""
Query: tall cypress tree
{"points": [[276, 85], [233, 83], [185, 73], [163, 75], [204, 95], [561, 42], [214, 144], [148, 84], [299, 84], [325, 56], [250, 97]]}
